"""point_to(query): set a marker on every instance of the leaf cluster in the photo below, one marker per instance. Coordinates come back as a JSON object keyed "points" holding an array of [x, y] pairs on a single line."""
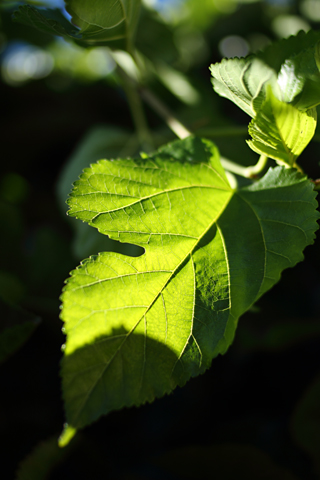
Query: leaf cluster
{"points": [[279, 89]]}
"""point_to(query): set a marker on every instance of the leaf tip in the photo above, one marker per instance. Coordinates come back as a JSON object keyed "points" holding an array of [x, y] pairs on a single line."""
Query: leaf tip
{"points": [[67, 435]]}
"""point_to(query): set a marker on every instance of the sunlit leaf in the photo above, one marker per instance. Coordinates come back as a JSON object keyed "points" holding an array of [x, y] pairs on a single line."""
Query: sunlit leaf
{"points": [[281, 131], [138, 327], [290, 67], [243, 81]]}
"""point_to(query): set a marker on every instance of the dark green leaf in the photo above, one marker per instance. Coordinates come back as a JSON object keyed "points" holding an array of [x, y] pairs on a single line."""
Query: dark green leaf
{"points": [[105, 22], [48, 21], [102, 22]]}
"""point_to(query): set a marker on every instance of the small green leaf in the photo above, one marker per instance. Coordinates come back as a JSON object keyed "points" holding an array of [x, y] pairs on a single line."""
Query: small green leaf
{"points": [[138, 327], [281, 131], [243, 81], [105, 22], [299, 78], [47, 21], [289, 66]]}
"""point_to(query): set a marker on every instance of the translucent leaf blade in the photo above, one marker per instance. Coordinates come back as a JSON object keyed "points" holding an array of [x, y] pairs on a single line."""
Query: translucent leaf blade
{"points": [[290, 67], [141, 295], [281, 131], [137, 327], [243, 81]]}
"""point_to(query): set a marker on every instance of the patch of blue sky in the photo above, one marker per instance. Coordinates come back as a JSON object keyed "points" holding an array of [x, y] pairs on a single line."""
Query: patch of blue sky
{"points": [[165, 4]]}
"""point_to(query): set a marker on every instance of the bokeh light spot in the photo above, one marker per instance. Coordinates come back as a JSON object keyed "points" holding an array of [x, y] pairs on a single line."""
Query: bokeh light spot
{"points": [[233, 46]]}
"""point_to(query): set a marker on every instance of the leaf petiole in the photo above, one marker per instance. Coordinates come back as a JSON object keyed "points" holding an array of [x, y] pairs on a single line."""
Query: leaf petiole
{"points": [[251, 172], [247, 172]]}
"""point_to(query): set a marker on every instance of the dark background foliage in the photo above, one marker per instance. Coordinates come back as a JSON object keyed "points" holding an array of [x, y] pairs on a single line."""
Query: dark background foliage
{"points": [[256, 413]]}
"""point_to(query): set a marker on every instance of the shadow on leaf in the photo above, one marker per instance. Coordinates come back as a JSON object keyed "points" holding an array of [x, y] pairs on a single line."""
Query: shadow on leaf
{"points": [[115, 371]]}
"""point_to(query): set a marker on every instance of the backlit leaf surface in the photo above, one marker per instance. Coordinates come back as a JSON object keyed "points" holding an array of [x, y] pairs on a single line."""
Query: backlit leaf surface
{"points": [[243, 81], [138, 327], [290, 67], [281, 131]]}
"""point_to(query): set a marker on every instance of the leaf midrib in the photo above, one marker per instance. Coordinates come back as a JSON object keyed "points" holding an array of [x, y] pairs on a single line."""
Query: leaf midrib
{"points": [[215, 220], [141, 199]]}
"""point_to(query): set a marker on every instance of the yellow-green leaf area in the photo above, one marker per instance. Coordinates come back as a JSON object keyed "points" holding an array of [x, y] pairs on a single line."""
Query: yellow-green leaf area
{"points": [[139, 326], [281, 131]]}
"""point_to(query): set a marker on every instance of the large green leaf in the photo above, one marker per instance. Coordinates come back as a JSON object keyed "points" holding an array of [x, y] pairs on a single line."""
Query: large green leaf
{"points": [[281, 131], [290, 66], [102, 22], [137, 327]]}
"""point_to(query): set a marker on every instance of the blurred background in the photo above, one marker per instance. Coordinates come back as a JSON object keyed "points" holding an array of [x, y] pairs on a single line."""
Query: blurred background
{"points": [[256, 413]]}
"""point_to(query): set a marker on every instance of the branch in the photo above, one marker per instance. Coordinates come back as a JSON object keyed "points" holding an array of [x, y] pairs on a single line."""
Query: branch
{"points": [[164, 112]]}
